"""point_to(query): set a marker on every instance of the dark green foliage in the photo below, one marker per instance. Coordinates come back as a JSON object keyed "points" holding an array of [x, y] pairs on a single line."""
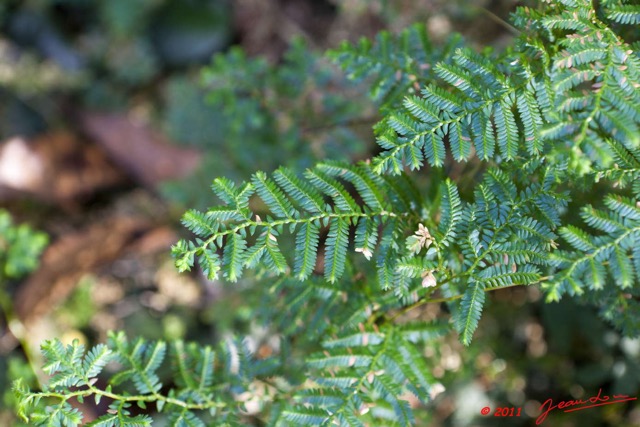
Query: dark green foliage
{"points": [[509, 147], [20, 247], [297, 206], [603, 268], [392, 65], [363, 373], [260, 116], [505, 107], [502, 241], [623, 13], [204, 382]]}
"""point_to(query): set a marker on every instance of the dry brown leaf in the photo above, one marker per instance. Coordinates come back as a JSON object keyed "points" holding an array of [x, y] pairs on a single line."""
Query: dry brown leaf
{"points": [[57, 167], [146, 155], [69, 258]]}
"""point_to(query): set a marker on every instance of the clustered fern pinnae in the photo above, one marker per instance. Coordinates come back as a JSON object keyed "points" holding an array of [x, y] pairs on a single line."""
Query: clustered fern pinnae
{"points": [[357, 246]]}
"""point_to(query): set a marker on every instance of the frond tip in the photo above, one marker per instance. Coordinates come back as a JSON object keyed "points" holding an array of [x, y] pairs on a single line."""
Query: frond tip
{"points": [[197, 391]]}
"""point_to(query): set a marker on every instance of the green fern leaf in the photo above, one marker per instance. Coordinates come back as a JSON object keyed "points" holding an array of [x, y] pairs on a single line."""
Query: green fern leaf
{"points": [[121, 420], [306, 250], [272, 195], [367, 184], [466, 319], [96, 360], [185, 419], [234, 256], [451, 213], [336, 249], [303, 194], [210, 263], [625, 14], [198, 223], [332, 188]]}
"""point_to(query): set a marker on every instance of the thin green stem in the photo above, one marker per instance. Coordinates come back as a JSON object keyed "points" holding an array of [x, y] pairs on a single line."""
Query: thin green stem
{"points": [[155, 397], [291, 221]]}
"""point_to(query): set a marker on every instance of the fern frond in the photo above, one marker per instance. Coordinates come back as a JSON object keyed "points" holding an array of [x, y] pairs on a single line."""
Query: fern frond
{"points": [[611, 256], [199, 391], [628, 14], [470, 310], [301, 192], [20, 248], [343, 200], [366, 183], [235, 254], [451, 214], [478, 110], [295, 206], [121, 419], [370, 368], [272, 195], [385, 63], [307, 241], [336, 253]]}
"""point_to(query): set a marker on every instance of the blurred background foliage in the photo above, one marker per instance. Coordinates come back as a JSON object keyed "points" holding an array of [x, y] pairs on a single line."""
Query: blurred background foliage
{"points": [[238, 86]]}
